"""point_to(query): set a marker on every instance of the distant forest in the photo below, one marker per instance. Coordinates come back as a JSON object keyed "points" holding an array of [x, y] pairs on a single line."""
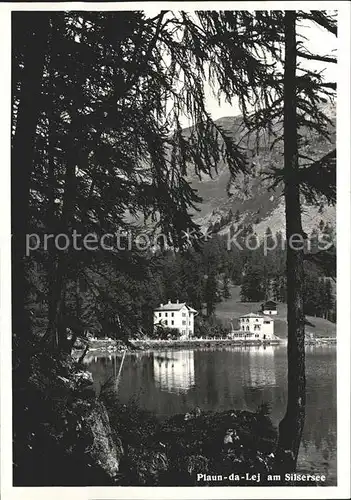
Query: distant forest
{"points": [[200, 278]]}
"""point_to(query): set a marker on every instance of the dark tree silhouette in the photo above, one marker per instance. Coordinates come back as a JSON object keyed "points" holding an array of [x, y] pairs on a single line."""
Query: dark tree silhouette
{"points": [[291, 427]]}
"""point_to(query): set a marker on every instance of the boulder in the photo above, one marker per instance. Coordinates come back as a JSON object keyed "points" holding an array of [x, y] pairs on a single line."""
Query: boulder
{"points": [[106, 448]]}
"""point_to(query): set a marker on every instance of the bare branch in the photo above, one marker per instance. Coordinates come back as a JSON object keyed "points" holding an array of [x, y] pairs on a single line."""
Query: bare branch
{"points": [[316, 57]]}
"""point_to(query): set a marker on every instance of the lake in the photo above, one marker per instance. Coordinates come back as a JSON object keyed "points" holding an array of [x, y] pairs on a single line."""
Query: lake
{"points": [[176, 381]]}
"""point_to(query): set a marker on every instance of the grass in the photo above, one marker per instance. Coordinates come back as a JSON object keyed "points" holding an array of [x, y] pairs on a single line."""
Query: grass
{"points": [[232, 308]]}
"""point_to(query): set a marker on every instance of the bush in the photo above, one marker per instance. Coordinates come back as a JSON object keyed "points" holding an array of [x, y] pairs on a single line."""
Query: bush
{"points": [[210, 328], [166, 333]]}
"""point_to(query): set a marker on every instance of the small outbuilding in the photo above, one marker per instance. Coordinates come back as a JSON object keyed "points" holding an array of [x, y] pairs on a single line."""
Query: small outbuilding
{"points": [[269, 307]]}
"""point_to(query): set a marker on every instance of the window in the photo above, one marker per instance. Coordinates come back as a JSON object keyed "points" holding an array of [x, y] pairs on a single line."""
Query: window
{"points": [[166, 322], [166, 314], [267, 322], [159, 315], [172, 315], [172, 322], [183, 314], [247, 328], [183, 322], [256, 335], [256, 320], [183, 332]]}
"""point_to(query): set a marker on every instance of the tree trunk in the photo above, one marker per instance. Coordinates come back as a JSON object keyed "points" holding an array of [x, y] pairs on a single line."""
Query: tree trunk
{"points": [[56, 332], [291, 427], [23, 149]]}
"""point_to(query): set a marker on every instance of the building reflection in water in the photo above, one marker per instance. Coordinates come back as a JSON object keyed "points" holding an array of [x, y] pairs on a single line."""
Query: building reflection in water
{"points": [[174, 371], [262, 369]]}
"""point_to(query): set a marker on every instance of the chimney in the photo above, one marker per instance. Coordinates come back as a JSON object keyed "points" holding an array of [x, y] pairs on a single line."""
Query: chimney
{"points": [[169, 301], [161, 305], [177, 301]]}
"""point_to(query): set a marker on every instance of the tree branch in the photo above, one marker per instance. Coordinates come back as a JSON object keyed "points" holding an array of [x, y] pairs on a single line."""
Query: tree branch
{"points": [[315, 57], [319, 17]]}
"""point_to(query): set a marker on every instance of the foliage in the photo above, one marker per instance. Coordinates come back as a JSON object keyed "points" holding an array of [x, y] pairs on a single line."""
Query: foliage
{"points": [[167, 452], [210, 328], [165, 333], [251, 288], [60, 430]]}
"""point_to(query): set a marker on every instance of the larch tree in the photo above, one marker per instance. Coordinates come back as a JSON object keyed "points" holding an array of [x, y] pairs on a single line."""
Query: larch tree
{"points": [[286, 109], [107, 96], [291, 427], [289, 109]]}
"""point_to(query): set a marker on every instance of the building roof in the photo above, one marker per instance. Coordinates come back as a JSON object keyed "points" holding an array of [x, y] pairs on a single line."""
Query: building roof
{"points": [[256, 315], [270, 303], [252, 315], [174, 306]]}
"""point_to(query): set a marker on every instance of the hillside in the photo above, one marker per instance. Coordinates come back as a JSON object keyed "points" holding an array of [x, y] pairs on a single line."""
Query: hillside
{"points": [[232, 308], [249, 195]]}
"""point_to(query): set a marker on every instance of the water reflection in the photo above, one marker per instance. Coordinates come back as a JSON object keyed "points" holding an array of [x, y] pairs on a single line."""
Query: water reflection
{"points": [[261, 367], [172, 382], [174, 371]]}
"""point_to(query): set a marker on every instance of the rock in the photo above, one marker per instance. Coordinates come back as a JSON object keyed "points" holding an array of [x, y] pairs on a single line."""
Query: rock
{"points": [[228, 438], [83, 378], [105, 449]]}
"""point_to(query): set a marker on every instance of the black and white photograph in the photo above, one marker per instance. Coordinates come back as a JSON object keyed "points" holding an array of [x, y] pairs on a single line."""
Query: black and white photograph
{"points": [[173, 291]]}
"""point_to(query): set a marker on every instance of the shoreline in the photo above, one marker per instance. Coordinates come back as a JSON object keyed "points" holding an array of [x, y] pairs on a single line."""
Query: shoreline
{"points": [[180, 344], [109, 346]]}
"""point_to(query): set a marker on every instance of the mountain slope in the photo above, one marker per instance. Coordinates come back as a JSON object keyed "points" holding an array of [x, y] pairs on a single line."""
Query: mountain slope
{"points": [[249, 197]]}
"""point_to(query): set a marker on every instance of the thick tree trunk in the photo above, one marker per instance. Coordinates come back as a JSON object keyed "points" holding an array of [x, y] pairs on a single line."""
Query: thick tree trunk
{"points": [[56, 331], [23, 149], [291, 427]]}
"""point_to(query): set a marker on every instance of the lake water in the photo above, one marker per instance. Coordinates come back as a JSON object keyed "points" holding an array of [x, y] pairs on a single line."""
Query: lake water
{"points": [[172, 381]]}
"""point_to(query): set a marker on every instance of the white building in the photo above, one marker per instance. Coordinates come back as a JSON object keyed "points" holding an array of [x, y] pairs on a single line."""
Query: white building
{"points": [[176, 315], [255, 327]]}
